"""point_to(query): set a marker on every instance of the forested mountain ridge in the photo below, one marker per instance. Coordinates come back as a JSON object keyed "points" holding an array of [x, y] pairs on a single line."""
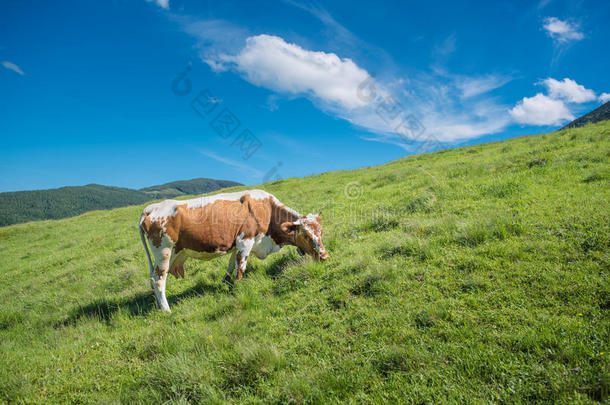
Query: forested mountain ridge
{"points": [[24, 206]]}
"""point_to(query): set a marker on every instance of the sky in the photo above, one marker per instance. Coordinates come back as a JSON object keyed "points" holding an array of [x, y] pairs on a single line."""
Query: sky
{"points": [[138, 93]]}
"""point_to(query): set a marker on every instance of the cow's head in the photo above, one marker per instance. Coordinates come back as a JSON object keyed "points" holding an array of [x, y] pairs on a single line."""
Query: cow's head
{"points": [[307, 234]]}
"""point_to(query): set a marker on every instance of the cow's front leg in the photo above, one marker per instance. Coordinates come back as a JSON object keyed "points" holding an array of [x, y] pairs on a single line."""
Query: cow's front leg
{"points": [[230, 268], [240, 266], [243, 247]]}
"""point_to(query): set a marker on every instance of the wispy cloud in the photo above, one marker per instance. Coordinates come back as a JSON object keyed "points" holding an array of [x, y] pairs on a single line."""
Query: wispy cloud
{"points": [[161, 3], [446, 47], [437, 104], [294, 144], [11, 66], [543, 3], [475, 86], [342, 40], [338, 32], [604, 97], [216, 39], [239, 166], [562, 31]]}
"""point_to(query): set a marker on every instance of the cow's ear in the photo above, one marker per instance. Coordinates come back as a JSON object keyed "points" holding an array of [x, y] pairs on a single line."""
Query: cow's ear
{"points": [[288, 227], [318, 218]]}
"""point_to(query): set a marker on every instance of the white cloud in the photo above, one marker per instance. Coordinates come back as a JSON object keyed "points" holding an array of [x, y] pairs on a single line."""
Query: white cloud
{"points": [[562, 31], [569, 90], [449, 107], [11, 66], [552, 108], [604, 97], [242, 167], [271, 62], [164, 4], [541, 110]]}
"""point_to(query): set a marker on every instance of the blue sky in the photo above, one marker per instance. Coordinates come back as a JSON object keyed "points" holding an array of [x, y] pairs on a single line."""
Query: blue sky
{"points": [[136, 93]]}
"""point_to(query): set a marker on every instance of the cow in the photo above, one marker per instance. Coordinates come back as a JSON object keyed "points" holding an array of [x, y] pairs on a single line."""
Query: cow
{"points": [[240, 223]]}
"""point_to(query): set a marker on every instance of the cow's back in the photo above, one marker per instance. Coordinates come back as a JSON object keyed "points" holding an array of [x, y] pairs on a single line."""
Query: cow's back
{"points": [[212, 223]]}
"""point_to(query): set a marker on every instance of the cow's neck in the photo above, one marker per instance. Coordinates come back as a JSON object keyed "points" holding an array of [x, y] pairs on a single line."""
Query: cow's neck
{"points": [[280, 214]]}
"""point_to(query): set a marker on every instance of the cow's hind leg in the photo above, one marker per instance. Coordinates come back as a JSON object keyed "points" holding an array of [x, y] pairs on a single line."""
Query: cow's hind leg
{"points": [[153, 284], [159, 275]]}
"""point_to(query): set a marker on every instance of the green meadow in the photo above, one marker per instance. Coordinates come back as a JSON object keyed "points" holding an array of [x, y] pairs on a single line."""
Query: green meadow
{"points": [[471, 275]]}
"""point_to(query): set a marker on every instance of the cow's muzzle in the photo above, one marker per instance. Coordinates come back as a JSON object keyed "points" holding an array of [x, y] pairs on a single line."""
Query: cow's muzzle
{"points": [[300, 251]]}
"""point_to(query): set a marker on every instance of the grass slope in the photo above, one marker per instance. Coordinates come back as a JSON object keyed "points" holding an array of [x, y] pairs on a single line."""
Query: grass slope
{"points": [[23, 206], [471, 275]]}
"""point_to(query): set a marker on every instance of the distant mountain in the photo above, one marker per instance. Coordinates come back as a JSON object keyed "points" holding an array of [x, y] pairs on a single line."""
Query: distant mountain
{"points": [[601, 113], [24, 206], [188, 187]]}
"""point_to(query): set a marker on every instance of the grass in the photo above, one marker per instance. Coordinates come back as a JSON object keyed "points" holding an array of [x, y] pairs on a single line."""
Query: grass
{"points": [[472, 275]]}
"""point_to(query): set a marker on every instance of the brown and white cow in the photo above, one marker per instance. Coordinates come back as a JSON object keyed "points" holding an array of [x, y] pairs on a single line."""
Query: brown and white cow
{"points": [[241, 223]]}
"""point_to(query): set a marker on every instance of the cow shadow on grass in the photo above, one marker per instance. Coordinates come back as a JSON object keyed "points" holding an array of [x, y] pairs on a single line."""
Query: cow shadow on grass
{"points": [[139, 304], [282, 263], [143, 303]]}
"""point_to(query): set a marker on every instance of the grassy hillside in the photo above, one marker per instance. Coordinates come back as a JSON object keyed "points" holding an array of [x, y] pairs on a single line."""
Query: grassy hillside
{"points": [[23, 206], [471, 275]]}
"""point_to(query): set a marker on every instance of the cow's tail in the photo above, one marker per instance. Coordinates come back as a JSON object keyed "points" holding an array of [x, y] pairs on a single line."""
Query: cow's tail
{"points": [[145, 244]]}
